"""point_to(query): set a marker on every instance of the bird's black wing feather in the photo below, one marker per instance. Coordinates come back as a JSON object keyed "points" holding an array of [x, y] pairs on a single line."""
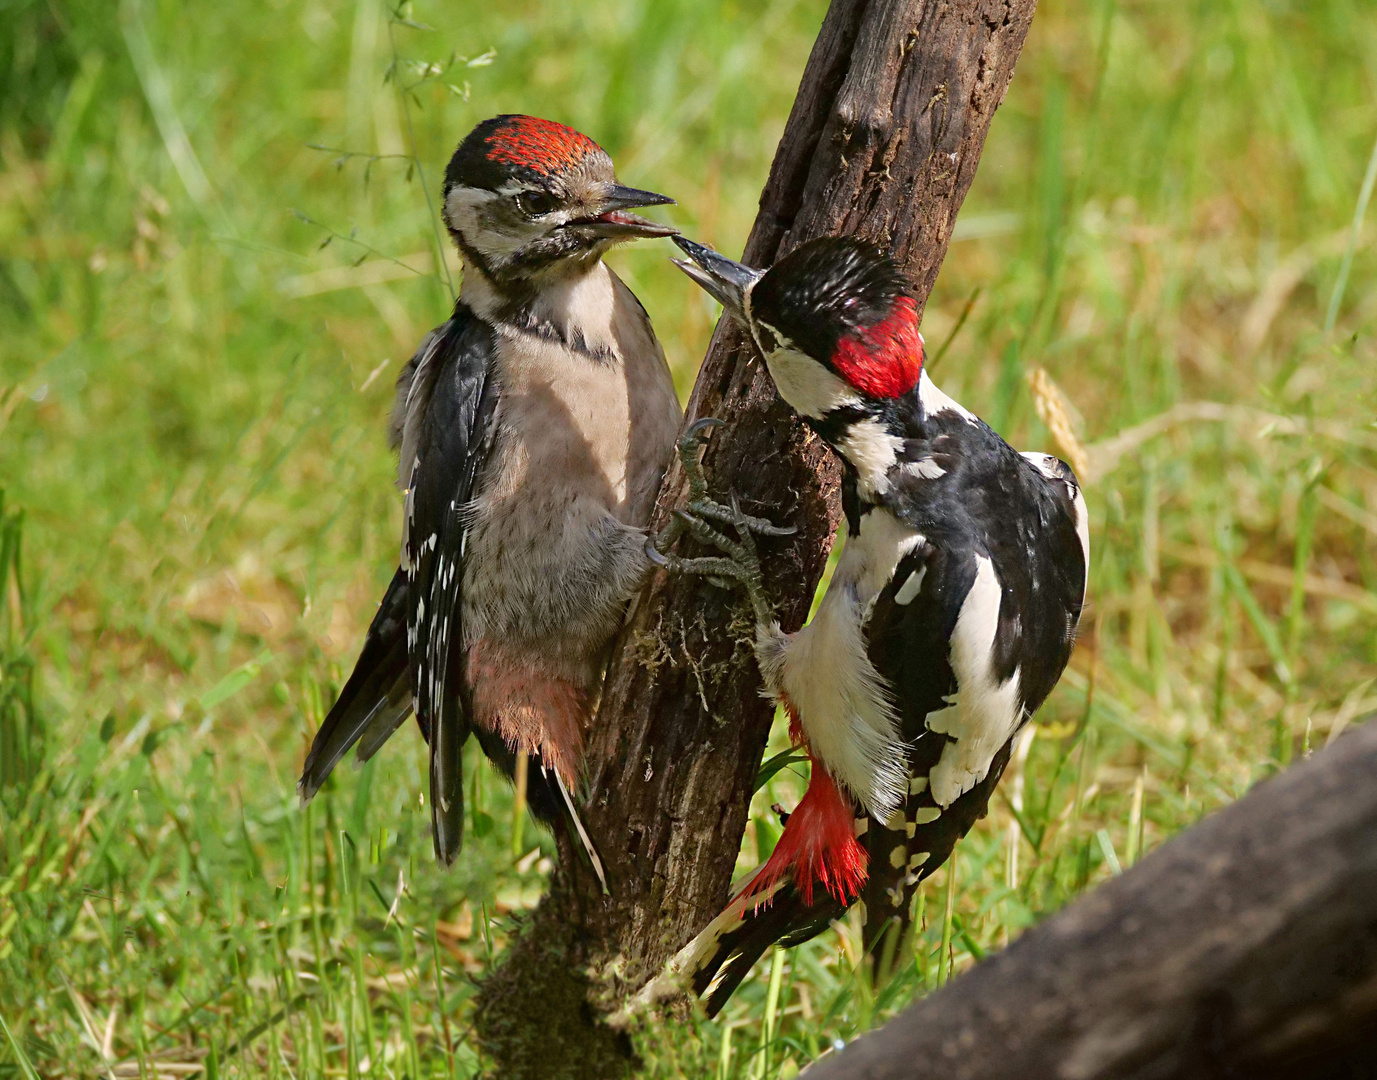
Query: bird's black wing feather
{"points": [[454, 438], [1023, 523], [374, 701], [909, 644]]}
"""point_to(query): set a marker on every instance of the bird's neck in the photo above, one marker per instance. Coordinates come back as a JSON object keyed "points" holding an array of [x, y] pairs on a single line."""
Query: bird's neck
{"points": [[883, 437], [574, 303]]}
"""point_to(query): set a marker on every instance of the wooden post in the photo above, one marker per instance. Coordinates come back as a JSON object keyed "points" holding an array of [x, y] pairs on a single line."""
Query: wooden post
{"points": [[883, 142]]}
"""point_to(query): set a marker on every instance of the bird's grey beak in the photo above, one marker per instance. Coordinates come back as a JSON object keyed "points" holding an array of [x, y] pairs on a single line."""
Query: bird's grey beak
{"points": [[613, 222], [724, 280]]}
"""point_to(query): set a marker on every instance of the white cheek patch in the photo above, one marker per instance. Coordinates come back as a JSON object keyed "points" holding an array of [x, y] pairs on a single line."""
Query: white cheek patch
{"points": [[986, 712], [934, 401], [809, 388], [469, 211]]}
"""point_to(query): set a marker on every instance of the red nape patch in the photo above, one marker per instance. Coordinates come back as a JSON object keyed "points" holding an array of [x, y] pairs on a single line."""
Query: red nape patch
{"points": [[819, 844], [883, 360], [543, 144]]}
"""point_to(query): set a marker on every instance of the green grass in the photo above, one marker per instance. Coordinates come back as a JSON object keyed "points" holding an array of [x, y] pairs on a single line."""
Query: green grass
{"points": [[192, 388]]}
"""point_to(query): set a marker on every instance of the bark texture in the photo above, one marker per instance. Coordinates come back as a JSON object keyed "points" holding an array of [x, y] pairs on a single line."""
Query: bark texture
{"points": [[1246, 947], [883, 141]]}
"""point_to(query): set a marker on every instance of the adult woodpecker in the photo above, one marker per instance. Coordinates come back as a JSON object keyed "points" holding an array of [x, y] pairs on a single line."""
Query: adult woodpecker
{"points": [[950, 616], [533, 429]]}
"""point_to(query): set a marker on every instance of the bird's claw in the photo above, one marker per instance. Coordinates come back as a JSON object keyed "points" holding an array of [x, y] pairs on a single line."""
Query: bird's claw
{"points": [[693, 440], [740, 563], [732, 515]]}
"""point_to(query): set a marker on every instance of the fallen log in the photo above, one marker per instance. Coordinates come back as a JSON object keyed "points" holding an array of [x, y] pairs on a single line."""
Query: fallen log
{"points": [[1245, 947]]}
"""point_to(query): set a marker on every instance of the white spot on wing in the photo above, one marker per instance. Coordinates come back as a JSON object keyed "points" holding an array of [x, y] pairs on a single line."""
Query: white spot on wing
{"points": [[986, 712], [909, 589], [925, 469], [1082, 530], [1044, 463]]}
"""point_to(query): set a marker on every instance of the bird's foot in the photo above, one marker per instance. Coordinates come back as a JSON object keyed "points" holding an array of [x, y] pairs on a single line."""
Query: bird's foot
{"points": [[739, 563]]}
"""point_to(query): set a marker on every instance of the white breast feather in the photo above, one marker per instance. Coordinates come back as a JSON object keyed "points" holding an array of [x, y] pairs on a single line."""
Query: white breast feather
{"points": [[986, 712], [843, 703]]}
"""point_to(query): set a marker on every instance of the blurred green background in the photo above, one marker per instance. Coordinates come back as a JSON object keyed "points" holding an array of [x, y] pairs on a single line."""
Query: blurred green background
{"points": [[201, 315]]}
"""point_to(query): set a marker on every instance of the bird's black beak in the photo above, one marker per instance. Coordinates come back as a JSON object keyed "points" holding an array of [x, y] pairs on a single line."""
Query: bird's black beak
{"points": [[614, 223], [724, 280]]}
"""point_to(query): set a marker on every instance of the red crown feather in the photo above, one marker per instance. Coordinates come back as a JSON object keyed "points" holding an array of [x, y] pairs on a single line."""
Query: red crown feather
{"points": [[544, 144]]}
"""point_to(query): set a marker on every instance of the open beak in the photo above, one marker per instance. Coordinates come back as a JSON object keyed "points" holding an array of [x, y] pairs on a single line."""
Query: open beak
{"points": [[614, 223], [724, 280]]}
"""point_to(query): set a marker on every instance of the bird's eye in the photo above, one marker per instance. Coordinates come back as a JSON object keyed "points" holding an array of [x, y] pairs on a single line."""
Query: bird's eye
{"points": [[535, 203]]}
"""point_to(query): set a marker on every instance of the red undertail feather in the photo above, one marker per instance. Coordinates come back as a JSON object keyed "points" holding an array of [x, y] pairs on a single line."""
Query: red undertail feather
{"points": [[534, 710], [819, 844], [884, 360]]}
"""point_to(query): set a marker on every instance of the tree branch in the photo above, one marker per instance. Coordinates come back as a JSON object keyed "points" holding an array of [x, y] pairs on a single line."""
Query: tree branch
{"points": [[883, 141]]}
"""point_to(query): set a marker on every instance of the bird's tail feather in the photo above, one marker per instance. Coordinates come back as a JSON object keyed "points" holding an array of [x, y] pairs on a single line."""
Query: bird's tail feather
{"points": [[819, 845], [375, 700], [582, 832], [722, 955]]}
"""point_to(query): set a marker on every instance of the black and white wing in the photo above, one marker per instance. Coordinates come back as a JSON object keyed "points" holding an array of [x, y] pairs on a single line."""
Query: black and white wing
{"points": [[972, 633], [447, 433], [377, 697]]}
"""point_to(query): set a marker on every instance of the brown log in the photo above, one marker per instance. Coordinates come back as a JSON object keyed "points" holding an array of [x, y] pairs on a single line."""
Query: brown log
{"points": [[1246, 947], [883, 141]]}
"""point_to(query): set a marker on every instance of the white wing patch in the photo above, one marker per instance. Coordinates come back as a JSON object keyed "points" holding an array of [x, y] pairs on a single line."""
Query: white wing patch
{"points": [[925, 469], [417, 401], [843, 703], [408, 516], [986, 712], [1082, 530], [1051, 468]]}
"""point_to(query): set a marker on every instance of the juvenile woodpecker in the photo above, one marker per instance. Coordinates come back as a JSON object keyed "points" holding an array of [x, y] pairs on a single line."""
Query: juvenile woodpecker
{"points": [[949, 618], [533, 429]]}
